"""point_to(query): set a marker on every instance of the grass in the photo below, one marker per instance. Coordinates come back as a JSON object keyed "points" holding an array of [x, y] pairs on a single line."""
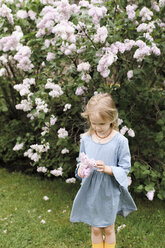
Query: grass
{"points": [[22, 208]]}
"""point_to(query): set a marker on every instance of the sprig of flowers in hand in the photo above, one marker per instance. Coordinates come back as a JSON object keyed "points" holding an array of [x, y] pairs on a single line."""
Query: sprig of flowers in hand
{"points": [[86, 165]]}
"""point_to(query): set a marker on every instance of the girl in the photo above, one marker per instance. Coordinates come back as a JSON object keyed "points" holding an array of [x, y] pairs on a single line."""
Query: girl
{"points": [[103, 194]]}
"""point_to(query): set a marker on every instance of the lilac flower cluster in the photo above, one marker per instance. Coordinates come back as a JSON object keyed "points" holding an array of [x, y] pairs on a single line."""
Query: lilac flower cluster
{"points": [[87, 165], [6, 12], [130, 9], [56, 90], [23, 57]]}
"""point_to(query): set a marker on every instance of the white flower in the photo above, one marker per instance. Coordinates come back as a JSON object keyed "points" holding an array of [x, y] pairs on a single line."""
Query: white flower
{"points": [[120, 121], [150, 194], [49, 210], [85, 66], [62, 133], [2, 72], [43, 221], [22, 14], [18, 147], [53, 120], [130, 74], [46, 198], [42, 169], [5, 231], [101, 35], [131, 133], [123, 130], [67, 106], [57, 172], [161, 3], [120, 227], [64, 151], [71, 180]]}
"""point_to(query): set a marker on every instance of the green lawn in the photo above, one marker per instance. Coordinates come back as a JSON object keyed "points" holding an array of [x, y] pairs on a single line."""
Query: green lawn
{"points": [[22, 209]]}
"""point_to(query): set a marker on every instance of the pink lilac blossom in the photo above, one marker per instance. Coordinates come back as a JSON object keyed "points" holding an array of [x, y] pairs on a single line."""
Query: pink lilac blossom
{"points": [[85, 77], [120, 121], [155, 49], [130, 9], [101, 35], [87, 165], [106, 61], [85, 66], [50, 16], [56, 89], [64, 151], [150, 194], [71, 180], [81, 49], [62, 133], [161, 3], [57, 172], [40, 148], [148, 36], [146, 14], [142, 51], [123, 130], [50, 56], [97, 13], [80, 91], [68, 49], [65, 31], [155, 6], [131, 133], [24, 88], [53, 120], [2, 72], [6, 12], [23, 57], [42, 169], [67, 106], [18, 147], [41, 106], [130, 74], [64, 9], [146, 27], [33, 156], [25, 105], [84, 4], [9, 43], [3, 59], [32, 15], [22, 14]]}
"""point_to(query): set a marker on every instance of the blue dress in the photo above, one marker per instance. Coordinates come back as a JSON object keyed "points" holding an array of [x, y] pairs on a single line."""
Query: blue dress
{"points": [[101, 196]]}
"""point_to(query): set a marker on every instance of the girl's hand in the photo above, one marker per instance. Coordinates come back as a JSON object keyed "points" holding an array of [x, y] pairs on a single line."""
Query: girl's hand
{"points": [[100, 165], [104, 168]]}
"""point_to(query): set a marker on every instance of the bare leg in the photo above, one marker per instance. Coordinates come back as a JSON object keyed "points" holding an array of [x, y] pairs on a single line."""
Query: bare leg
{"points": [[109, 232], [96, 235]]}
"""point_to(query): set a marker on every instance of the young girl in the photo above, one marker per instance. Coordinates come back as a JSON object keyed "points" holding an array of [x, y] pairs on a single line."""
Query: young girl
{"points": [[103, 194]]}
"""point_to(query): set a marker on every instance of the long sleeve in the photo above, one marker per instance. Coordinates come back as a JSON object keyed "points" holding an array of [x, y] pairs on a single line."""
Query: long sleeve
{"points": [[123, 164], [82, 149]]}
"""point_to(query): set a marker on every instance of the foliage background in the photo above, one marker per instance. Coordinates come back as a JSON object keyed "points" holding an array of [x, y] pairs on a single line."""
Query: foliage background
{"points": [[140, 101]]}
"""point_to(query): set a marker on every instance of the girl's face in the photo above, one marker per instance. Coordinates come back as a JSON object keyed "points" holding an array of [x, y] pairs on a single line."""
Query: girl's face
{"points": [[99, 125]]}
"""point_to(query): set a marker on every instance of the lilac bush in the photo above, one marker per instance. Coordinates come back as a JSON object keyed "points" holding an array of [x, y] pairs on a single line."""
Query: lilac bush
{"points": [[57, 54]]}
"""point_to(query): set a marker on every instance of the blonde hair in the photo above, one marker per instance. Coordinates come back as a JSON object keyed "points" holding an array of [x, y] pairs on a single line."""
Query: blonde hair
{"points": [[101, 105]]}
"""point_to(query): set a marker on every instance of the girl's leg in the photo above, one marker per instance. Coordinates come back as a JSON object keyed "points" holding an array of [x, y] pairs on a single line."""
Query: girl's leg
{"points": [[110, 237], [97, 236]]}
